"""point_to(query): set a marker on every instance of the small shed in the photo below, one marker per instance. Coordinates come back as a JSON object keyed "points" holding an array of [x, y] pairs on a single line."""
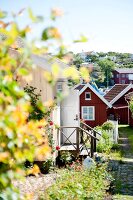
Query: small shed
{"points": [[120, 107], [92, 105]]}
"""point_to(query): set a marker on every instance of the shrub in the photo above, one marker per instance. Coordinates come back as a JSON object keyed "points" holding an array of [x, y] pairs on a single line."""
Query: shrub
{"points": [[81, 185], [107, 126], [47, 166], [131, 106], [64, 159], [115, 146], [105, 144]]}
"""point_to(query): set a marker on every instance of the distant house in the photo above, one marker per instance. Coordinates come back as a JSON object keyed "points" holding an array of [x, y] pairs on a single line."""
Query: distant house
{"points": [[122, 76], [93, 106], [120, 108], [128, 98]]}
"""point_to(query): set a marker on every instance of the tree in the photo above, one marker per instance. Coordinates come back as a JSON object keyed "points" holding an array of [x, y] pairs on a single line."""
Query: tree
{"points": [[77, 60], [107, 67], [131, 106], [21, 138]]}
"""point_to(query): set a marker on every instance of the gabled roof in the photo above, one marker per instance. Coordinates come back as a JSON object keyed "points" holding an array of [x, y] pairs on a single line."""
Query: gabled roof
{"points": [[43, 61], [46, 62], [79, 87], [124, 70], [83, 87], [116, 92]]}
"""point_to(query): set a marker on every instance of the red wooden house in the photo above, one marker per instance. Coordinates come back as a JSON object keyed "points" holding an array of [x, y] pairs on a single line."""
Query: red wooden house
{"points": [[120, 108], [123, 76], [128, 98], [93, 106]]}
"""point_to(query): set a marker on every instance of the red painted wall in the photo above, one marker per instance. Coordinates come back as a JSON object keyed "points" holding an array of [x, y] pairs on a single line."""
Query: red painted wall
{"points": [[100, 108], [120, 79], [122, 113]]}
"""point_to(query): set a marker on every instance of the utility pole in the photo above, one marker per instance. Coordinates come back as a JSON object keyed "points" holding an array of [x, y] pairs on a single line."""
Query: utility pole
{"points": [[107, 79]]}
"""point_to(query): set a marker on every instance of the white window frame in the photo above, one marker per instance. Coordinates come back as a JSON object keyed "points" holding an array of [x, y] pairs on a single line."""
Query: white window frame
{"points": [[117, 76], [123, 81], [93, 107], [127, 76], [123, 75], [87, 93]]}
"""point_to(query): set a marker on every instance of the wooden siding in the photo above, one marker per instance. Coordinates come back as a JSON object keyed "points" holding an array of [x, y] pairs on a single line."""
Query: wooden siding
{"points": [[100, 108], [122, 113], [120, 78], [38, 81]]}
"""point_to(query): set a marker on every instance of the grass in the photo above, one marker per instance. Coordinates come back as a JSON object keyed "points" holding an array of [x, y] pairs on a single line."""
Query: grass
{"points": [[122, 197], [127, 131], [119, 155]]}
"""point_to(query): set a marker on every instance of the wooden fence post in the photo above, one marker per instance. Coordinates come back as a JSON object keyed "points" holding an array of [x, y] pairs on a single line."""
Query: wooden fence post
{"points": [[94, 134], [77, 140], [92, 146]]}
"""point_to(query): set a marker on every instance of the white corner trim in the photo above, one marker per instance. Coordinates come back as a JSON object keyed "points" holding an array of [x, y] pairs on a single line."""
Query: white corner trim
{"points": [[100, 96], [121, 94]]}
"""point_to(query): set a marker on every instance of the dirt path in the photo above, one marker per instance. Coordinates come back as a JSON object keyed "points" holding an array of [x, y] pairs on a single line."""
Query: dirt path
{"points": [[35, 185], [123, 170]]}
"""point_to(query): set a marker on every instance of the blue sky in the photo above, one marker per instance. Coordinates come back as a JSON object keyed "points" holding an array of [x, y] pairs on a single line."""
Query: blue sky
{"points": [[108, 24]]}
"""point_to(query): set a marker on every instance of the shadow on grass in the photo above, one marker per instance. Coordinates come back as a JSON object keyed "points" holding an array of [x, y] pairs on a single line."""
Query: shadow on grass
{"points": [[122, 172], [121, 165]]}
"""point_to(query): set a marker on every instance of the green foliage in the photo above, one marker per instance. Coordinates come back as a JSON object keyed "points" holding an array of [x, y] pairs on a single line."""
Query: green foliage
{"points": [[21, 117], [108, 126], [105, 144], [66, 157], [36, 112], [81, 39], [107, 66], [77, 60], [79, 185], [115, 146], [131, 106], [47, 166], [18, 137]]}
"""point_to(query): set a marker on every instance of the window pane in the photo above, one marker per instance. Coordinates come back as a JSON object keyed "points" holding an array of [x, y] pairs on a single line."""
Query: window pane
{"points": [[87, 95], [85, 110], [88, 113]]}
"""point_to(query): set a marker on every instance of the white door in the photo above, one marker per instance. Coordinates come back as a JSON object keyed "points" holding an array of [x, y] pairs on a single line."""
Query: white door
{"points": [[70, 115]]}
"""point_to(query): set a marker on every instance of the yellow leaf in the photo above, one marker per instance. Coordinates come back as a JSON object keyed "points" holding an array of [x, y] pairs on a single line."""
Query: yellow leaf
{"points": [[31, 15], [35, 170], [71, 72], [84, 72], [55, 70], [4, 156]]}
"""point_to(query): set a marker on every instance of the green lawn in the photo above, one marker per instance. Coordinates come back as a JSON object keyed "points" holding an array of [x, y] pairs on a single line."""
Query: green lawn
{"points": [[127, 131]]}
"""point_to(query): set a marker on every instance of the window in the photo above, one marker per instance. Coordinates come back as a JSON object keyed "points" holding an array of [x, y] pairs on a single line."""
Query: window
{"points": [[87, 96], [126, 75], [123, 81], [117, 75], [123, 75], [88, 113], [59, 87]]}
